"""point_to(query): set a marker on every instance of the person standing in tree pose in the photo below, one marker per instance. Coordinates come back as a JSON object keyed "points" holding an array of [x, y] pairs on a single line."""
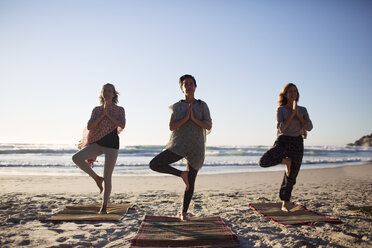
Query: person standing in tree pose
{"points": [[293, 122], [101, 137], [190, 118]]}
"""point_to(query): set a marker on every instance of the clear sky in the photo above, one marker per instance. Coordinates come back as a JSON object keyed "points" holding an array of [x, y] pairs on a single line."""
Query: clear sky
{"points": [[55, 56]]}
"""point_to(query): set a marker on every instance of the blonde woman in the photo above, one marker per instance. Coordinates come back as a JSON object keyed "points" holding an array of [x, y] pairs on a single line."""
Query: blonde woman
{"points": [[101, 137]]}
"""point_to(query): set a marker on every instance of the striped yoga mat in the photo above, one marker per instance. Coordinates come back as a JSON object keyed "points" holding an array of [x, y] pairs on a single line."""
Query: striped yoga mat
{"points": [[163, 231], [90, 213], [297, 215]]}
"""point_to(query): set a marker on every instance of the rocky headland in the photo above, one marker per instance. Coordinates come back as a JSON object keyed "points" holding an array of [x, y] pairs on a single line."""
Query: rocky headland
{"points": [[364, 141]]}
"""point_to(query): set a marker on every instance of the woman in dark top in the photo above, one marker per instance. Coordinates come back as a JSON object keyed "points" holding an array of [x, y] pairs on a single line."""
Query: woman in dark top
{"points": [[101, 137], [292, 124]]}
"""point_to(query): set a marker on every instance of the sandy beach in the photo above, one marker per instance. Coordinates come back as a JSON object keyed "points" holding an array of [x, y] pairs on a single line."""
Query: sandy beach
{"points": [[24, 200]]}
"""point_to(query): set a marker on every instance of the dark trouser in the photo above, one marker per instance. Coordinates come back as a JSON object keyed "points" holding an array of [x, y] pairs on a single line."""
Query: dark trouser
{"points": [[285, 146], [161, 163]]}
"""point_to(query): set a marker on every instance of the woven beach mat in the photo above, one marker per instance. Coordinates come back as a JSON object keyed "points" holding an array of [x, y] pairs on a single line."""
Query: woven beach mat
{"points": [[90, 213], [163, 231], [297, 215]]}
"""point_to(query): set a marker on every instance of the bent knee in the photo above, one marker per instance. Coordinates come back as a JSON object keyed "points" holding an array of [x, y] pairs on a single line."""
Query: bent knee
{"points": [[261, 162], [77, 159], [153, 165]]}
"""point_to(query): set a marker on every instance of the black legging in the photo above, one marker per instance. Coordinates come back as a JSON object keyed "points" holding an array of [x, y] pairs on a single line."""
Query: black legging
{"points": [[161, 163]]}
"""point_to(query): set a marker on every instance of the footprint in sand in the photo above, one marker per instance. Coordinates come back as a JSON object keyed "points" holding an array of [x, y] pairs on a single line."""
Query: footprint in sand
{"points": [[78, 237], [262, 199], [197, 206], [84, 244], [109, 231], [57, 230], [13, 220], [61, 239], [24, 242]]}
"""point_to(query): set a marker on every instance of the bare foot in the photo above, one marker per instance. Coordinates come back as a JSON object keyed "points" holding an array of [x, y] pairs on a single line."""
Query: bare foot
{"points": [[288, 163], [285, 206], [103, 210], [99, 182], [185, 178]]}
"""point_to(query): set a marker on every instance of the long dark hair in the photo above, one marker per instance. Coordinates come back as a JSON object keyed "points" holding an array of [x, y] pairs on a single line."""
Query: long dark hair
{"points": [[283, 95], [114, 98]]}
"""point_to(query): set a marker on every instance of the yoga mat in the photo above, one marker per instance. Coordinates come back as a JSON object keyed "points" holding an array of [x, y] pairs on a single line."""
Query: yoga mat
{"points": [[297, 215], [90, 213], [163, 231]]}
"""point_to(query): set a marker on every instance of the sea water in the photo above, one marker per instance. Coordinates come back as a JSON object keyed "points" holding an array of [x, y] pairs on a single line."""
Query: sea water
{"points": [[55, 160]]}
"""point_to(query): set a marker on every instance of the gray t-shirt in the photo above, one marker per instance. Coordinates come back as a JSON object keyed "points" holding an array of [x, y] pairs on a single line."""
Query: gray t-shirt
{"points": [[189, 139], [295, 127]]}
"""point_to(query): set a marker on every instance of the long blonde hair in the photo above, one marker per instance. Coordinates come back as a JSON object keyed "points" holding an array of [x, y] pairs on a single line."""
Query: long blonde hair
{"points": [[114, 98]]}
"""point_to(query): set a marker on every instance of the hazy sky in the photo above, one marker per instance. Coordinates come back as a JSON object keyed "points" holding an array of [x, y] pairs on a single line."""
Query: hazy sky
{"points": [[55, 55]]}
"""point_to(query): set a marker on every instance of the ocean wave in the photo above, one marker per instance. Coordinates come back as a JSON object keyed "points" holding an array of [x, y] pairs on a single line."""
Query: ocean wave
{"points": [[208, 164], [29, 165], [38, 151], [211, 151]]}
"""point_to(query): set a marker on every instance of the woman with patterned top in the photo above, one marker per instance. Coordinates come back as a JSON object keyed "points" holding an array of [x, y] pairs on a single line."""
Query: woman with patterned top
{"points": [[190, 118], [101, 137], [292, 124]]}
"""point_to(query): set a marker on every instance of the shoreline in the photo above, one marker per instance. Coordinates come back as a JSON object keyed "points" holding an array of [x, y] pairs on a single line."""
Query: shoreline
{"points": [[228, 181], [26, 199]]}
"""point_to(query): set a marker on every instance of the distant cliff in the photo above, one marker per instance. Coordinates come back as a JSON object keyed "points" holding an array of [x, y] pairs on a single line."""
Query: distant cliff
{"points": [[364, 141]]}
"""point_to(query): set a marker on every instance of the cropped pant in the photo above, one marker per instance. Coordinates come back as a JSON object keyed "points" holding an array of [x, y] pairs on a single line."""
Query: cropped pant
{"points": [[161, 163], [285, 146], [94, 150]]}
